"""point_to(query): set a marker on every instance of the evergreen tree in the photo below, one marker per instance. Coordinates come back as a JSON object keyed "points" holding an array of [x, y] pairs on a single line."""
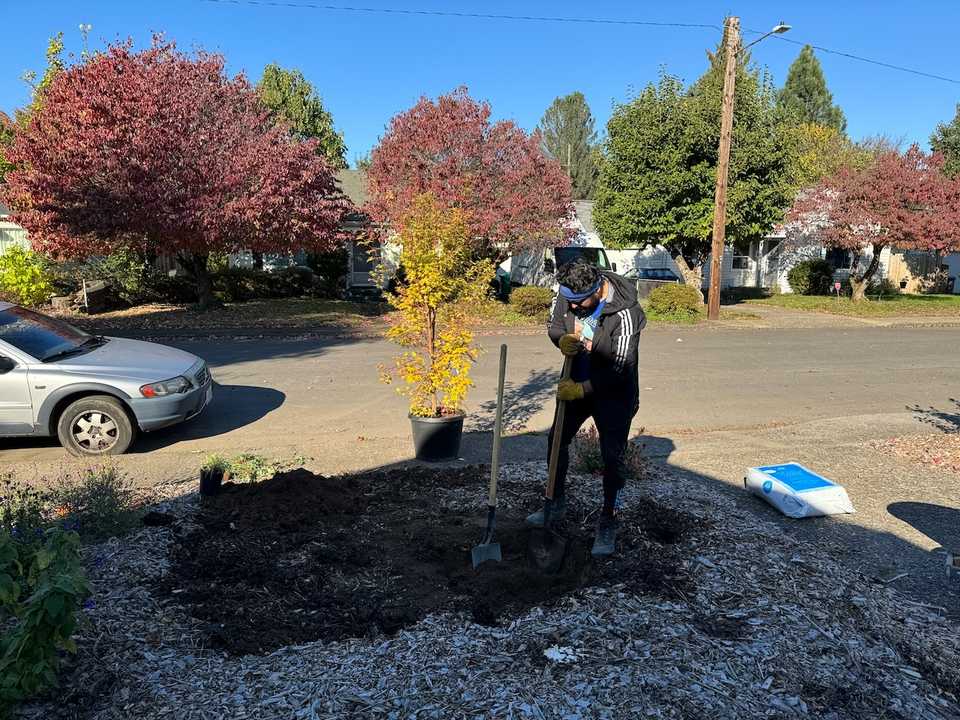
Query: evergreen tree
{"points": [[292, 99], [805, 98], [568, 135], [658, 176], [946, 140]]}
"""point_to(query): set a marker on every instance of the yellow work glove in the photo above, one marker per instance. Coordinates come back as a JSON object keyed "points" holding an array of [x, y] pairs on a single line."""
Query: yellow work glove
{"points": [[569, 390], [570, 345]]}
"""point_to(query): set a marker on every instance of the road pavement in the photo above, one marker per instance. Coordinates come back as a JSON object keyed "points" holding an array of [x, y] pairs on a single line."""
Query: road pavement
{"points": [[713, 402]]}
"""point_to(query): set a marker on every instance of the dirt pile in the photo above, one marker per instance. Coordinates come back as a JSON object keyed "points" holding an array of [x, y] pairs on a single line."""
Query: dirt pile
{"points": [[302, 557]]}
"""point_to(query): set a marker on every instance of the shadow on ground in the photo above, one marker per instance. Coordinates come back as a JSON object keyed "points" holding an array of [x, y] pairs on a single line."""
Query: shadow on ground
{"points": [[233, 407], [947, 421]]}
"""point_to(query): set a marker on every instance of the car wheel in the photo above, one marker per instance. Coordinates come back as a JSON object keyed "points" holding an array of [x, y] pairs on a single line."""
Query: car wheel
{"points": [[97, 425]]}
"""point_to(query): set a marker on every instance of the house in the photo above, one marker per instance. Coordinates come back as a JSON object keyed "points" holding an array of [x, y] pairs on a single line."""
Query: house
{"points": [[11, 234], [368, 266]]}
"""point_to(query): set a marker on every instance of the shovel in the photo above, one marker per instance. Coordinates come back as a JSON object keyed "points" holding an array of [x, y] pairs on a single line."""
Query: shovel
{"points": [[488, 549], [547, 547]]}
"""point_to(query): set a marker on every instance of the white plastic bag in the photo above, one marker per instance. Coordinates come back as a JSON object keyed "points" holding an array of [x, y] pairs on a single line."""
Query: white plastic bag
{"points": [[796, 491]]}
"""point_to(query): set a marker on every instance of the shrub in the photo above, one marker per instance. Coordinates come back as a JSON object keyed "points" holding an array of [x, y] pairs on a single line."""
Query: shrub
{"points": [[23, 510], [25, 276], [252, 468], [586, 456], [160, 287], [235, 285], [41, 587], [331, 269], [883, 288], [675, 300], [531, 300], [100, 503], [811, 277]]}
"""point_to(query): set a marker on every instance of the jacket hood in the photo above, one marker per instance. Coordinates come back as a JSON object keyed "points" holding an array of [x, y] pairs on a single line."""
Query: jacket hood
{"points": [[624, 293]]}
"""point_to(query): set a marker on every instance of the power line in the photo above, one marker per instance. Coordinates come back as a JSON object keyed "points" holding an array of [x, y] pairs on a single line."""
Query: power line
{"points": [[451, 13], [569, 20], [860, 58]]}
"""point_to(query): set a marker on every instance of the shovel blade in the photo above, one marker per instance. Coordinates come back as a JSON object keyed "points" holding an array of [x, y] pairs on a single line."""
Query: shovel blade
{"points": [[486, 551], [548, 549]]}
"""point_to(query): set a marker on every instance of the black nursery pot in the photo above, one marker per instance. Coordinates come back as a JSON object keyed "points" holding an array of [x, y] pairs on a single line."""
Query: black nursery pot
{"points": [[211, 481], [437, 438]]}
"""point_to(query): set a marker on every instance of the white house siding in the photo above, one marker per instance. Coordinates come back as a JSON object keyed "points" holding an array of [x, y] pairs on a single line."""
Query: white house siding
{"points": [[650, 257], [12, 235]]}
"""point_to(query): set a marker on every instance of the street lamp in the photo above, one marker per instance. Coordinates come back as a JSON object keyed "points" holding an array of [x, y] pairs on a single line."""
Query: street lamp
{"points": [[723, 161]]}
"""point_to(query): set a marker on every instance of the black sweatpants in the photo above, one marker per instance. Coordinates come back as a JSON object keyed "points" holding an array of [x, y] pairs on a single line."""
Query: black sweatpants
{"points": [[612, 418]]}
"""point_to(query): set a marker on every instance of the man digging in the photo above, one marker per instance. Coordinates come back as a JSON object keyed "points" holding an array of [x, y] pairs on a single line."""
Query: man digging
{"points": [[596, 320]]}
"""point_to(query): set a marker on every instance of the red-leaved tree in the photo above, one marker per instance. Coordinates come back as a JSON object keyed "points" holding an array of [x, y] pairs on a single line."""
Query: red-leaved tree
{"points": [[162, 152], [900, 200], [515, 197]]}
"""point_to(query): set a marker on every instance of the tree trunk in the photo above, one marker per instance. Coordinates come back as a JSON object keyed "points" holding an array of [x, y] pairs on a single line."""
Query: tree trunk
{"points": [[691, 276], [859, 285], [198, 266], [431, 353], [257, 260]]}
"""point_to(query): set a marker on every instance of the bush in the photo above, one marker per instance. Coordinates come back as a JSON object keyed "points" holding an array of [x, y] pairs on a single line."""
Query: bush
{"points": [[586, 456], [160, 287], [531, 300], [41, 587], [25, 276], [675, 300], [811, 277], [235, 285], [331, 269], [883, 288], [100, 503], [252, 468]]}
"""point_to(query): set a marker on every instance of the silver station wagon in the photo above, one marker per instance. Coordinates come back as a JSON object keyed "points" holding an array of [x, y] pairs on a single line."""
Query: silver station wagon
{"points": [[94, 393]]}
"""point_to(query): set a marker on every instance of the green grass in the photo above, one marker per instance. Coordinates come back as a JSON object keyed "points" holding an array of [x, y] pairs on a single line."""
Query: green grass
{"points": [[895, 306], [682, 318]]}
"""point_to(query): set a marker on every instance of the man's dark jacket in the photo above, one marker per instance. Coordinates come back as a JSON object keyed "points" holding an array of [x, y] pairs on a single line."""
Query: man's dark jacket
{"points": [[612, 374]]}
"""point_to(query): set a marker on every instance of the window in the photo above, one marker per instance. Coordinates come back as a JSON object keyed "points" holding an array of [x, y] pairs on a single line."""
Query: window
{"points": [[741, 262], [840, 259], [594, 256], [39, 335]]}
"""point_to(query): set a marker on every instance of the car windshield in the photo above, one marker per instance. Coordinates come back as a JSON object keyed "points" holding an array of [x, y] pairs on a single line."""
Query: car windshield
{"points": [[592, 255], [40, 336]]}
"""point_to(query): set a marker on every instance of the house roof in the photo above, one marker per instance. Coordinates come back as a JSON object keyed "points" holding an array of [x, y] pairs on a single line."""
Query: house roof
{"points": [[584, 210], [354, 186]]}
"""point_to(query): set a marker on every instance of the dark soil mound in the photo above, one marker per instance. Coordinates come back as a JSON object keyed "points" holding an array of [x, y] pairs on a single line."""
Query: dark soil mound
{"points": [[301, 557]]}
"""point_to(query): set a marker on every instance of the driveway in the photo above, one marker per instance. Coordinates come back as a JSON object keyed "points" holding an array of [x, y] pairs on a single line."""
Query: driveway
{"points": [[713, 402]]}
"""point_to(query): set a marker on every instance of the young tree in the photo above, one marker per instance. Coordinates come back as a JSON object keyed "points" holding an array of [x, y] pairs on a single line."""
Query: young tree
{"points": [[292, 100], [163, 153], [946, 140], [658, 176], [805, 97], [901, 200], [515, 197], [568, 136]]}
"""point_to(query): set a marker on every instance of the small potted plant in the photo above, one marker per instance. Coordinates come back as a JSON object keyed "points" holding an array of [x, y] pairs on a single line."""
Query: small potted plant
{"points": [[441, 278], [214, 472]]}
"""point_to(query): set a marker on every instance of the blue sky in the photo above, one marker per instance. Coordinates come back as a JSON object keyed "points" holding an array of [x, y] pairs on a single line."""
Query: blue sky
{"points": [[369, 66]]}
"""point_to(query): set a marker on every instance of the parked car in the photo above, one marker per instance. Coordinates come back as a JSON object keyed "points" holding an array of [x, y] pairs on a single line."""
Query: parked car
{"points": [[647, 279], [94, 393]]}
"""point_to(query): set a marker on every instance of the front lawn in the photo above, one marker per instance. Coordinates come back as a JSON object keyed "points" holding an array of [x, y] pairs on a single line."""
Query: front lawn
{"points": [[898, 305]]}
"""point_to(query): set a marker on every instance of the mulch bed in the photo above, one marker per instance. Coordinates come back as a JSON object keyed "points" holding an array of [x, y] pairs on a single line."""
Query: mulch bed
{"points": [[302, 557]]}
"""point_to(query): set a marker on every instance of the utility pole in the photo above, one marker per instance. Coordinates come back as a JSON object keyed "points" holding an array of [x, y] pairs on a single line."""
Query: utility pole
{"points": [[732, 41]]}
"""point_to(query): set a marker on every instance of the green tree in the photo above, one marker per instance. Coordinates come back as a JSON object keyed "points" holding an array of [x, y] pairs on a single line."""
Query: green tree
{"points": [[805, 98], [291, 99], [658, 175], [568, 135], [946, 140], [6, 140], [55, 66]]}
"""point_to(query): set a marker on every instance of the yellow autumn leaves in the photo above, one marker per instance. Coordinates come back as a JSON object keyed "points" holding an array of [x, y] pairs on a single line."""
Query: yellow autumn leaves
{"points": [[442, 279]]}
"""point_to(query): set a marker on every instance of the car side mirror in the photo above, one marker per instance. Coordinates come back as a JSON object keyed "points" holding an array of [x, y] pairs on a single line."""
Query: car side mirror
{"points": [[548, 266], [614, 266], [6, 365]]}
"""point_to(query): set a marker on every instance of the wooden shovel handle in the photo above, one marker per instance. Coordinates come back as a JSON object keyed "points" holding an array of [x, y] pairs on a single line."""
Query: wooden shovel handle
{"points": [[558, 419], [497, 429]]}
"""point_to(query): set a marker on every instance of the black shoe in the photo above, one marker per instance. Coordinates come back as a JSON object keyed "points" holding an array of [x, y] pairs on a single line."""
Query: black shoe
{"points": [[605, 542]]}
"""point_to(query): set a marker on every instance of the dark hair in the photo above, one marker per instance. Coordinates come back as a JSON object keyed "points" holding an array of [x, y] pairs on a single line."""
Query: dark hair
{"points": [[578, 275]]}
